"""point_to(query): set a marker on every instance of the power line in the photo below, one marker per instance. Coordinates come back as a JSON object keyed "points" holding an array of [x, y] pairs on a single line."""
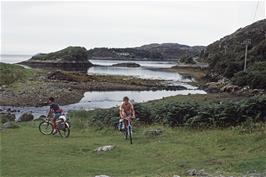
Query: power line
{"points": [[256, 10]]}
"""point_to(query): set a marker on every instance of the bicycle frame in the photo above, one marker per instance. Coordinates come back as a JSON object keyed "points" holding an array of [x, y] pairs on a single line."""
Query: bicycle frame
{"points": [[128, 126], [128, 129]]}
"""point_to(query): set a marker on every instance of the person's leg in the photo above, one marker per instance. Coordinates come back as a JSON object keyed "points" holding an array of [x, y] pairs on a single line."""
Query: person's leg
{"points": [[56, 116]]}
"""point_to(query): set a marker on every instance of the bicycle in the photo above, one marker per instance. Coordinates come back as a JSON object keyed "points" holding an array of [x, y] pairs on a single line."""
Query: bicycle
{"points": [[62, 127], [128, 129]]}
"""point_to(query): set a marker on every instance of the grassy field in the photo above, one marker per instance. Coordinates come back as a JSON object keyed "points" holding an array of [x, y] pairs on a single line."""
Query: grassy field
{"points": [[10, 73], [26, 152]]}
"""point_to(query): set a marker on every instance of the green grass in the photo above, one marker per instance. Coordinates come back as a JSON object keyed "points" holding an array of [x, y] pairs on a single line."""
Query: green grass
{"points": [[26, 152], [9, 73]]}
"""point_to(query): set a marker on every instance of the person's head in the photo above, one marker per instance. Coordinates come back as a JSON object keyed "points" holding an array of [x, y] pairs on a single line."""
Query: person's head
{"points": [[51, 99], [125, 99]]}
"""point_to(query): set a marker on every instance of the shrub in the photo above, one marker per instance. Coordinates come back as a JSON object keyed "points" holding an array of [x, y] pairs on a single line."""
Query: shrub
{"points": [[190, 114], [253, 77]]}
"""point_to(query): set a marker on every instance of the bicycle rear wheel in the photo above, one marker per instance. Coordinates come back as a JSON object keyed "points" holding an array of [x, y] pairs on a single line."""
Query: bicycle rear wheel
{"points": [[46, 128], [126, 133], [64, 133]]}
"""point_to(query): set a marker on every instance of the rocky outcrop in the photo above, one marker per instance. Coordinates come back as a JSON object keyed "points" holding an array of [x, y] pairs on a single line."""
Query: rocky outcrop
{"points": [[70, 59], [26, 117], [133, 65]]}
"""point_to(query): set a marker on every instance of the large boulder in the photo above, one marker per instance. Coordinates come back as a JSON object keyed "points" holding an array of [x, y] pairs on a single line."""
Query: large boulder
{"points": [[6, 116], [26, 117]]}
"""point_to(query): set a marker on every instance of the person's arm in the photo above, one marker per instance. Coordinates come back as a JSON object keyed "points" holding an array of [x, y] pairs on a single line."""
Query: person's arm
{"points": [[121, 111], [133, 111], [50, 112]]}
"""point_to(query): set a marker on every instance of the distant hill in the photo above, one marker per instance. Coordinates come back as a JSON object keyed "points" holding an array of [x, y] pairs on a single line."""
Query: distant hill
{"points": [[173, 50], [165, 51], [70, 58], [226, 56]]}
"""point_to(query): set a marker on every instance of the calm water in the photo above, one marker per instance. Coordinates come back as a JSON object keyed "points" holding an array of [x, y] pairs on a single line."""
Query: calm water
{"points": [[148, 70], [107, 99], [150, 64], [14, 58]]}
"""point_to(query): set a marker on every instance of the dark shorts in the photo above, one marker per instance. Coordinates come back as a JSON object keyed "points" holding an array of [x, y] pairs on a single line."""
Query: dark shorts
{"points": [[57, 115]]}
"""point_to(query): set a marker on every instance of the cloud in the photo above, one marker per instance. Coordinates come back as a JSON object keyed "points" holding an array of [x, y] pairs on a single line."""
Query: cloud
{"points": [[32, 27]]}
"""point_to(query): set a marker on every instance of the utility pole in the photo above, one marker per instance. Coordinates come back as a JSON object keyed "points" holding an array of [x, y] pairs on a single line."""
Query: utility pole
{"points": [[225, 49], [246, 42], [223, 45]]}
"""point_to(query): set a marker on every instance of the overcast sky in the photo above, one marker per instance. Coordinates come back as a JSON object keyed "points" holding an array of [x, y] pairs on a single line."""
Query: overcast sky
{"points": [[33, 27]]}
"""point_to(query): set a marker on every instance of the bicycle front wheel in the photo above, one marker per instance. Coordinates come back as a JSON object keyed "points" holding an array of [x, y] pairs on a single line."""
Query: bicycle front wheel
{"points": [[130, 134], [46, 128]]}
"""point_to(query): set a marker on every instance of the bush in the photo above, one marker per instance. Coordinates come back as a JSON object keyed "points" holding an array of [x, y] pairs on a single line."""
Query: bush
{"points": [[189, 114], [253, 77]]}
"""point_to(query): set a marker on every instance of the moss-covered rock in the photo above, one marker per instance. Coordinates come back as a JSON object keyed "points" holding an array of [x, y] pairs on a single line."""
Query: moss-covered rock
{"points": [[70, 58]]}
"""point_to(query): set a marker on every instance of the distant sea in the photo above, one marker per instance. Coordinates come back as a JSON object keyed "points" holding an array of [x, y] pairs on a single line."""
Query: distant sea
{"points": [[14, 58]]}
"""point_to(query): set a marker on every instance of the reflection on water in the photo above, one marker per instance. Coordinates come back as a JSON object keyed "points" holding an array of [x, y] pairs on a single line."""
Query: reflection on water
{"points": [[148, 70], [150, 64], [140, 72], [107, 99]]}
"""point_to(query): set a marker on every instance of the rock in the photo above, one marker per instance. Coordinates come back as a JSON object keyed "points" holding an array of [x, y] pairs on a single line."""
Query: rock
{"points": [[214, 87], [6, 116], [9, 125], [102, 176], [105, 148], [194, 172], [176, 176], [26, 117], [230, 88], [129, 64], [153, 133]]}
